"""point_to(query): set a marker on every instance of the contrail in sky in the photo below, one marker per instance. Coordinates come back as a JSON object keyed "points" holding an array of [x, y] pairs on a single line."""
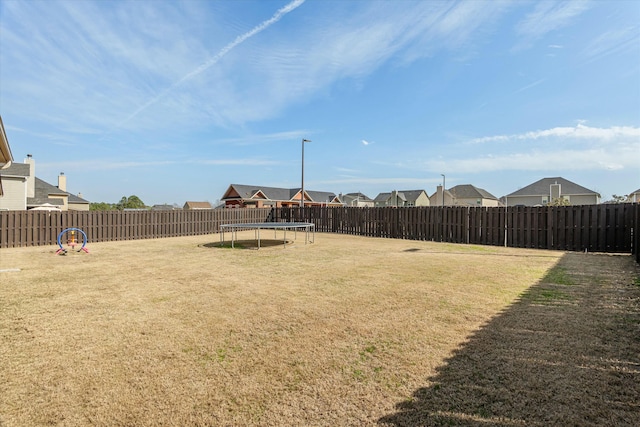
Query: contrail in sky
{"points": [[210, 62]]}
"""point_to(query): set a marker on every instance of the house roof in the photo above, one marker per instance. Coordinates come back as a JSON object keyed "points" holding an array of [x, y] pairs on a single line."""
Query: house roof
{"points": [[274, 193], [16, 169], [359, 196], [321, 196], [162, 207], [412, 195], [5, 149], [38, 201], [197, 205], [383, 197], [541, 188], [468, 191], [43, 190], [249, 191]]}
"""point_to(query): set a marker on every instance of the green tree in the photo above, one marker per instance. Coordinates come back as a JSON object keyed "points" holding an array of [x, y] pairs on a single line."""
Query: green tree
{"points": [[559, 201], [102, 206], [131, 202], [620, 199]]}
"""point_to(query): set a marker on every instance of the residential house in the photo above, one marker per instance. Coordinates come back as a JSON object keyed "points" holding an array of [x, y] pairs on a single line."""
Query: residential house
{"points": [[22, 190], [469, 195], [635, 196], [254, 196], [404, 198], [197, 205], [441, 197], [552, 190], [357, 200], [165, 207]]}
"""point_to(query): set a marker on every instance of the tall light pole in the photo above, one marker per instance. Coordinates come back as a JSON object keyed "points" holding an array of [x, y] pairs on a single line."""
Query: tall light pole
{"points": [[443, 187], [302, 186]]}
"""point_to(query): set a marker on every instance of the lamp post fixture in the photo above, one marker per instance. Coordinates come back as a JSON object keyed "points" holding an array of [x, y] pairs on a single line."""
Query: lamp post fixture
{"points": [[302, 184], [443, 187]]}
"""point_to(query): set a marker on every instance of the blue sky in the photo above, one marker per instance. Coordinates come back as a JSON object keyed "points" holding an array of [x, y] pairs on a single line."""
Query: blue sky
{"points": [[175, 100]]}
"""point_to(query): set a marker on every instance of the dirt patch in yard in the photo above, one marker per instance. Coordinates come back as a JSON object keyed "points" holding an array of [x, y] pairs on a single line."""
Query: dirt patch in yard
{"points": [[346, 331]]}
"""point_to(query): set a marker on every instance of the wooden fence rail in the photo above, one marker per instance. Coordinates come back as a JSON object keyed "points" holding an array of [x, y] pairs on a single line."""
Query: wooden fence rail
{"points": [[594, 228]]}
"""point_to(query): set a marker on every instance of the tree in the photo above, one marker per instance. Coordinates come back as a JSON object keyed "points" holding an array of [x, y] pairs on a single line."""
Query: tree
{"points": [[102, 206], [131, 202], [558, 201], [620, 199]]}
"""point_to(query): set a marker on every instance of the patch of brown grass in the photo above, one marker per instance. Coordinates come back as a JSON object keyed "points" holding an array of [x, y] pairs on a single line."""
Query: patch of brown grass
{"points": [[171, 332]]}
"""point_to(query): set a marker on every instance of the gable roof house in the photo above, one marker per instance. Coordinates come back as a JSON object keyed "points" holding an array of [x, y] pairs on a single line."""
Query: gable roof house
{"points": [[546, 190], [463, 195], [404, 198], [23, 190], [253, 196], [469, 195], [359, 200]]}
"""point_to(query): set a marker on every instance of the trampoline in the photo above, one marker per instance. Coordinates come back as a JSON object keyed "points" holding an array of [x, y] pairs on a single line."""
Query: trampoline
{"points": [[308, 228]]}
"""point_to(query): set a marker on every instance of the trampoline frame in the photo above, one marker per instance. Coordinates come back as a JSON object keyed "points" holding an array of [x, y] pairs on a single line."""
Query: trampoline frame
{"points": [[308, 227]]}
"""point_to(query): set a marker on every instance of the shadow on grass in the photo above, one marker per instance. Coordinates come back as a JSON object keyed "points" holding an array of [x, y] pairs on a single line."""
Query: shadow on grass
{"points": [[566, 353], [249, 244]]}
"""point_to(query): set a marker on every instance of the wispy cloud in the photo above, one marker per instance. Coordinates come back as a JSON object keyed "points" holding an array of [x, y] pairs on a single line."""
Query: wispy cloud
{"points": [[529, 86], [286, 136], [238, 162], [579, 147], [131, 65], [611, 158], [111, 164], [616, 41], [546, 17], [212, 61], [580, 131]]}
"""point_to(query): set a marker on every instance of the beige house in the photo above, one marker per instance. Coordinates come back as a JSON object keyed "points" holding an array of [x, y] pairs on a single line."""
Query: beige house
{"points": [[22, 190], [403, 198], [635, 196], [552, 190], [357, 200]]}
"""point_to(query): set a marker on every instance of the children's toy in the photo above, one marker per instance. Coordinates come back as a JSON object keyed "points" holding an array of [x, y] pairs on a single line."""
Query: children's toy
{"points": [[72, 236]]}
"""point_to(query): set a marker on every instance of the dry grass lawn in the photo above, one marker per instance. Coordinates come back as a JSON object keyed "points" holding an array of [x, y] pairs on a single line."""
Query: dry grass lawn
{"points": [[347, 331]]}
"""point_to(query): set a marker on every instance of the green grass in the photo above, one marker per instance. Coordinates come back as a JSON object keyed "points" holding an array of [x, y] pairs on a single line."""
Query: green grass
{"points": [[559, 276]]}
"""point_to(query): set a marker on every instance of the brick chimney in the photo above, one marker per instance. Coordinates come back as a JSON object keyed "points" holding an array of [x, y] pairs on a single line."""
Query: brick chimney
{"points": [[62, 182]]}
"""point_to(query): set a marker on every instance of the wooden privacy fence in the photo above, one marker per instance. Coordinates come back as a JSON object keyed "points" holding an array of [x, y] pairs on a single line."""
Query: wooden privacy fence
{"points": [[593, 228], [34, 228]]}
